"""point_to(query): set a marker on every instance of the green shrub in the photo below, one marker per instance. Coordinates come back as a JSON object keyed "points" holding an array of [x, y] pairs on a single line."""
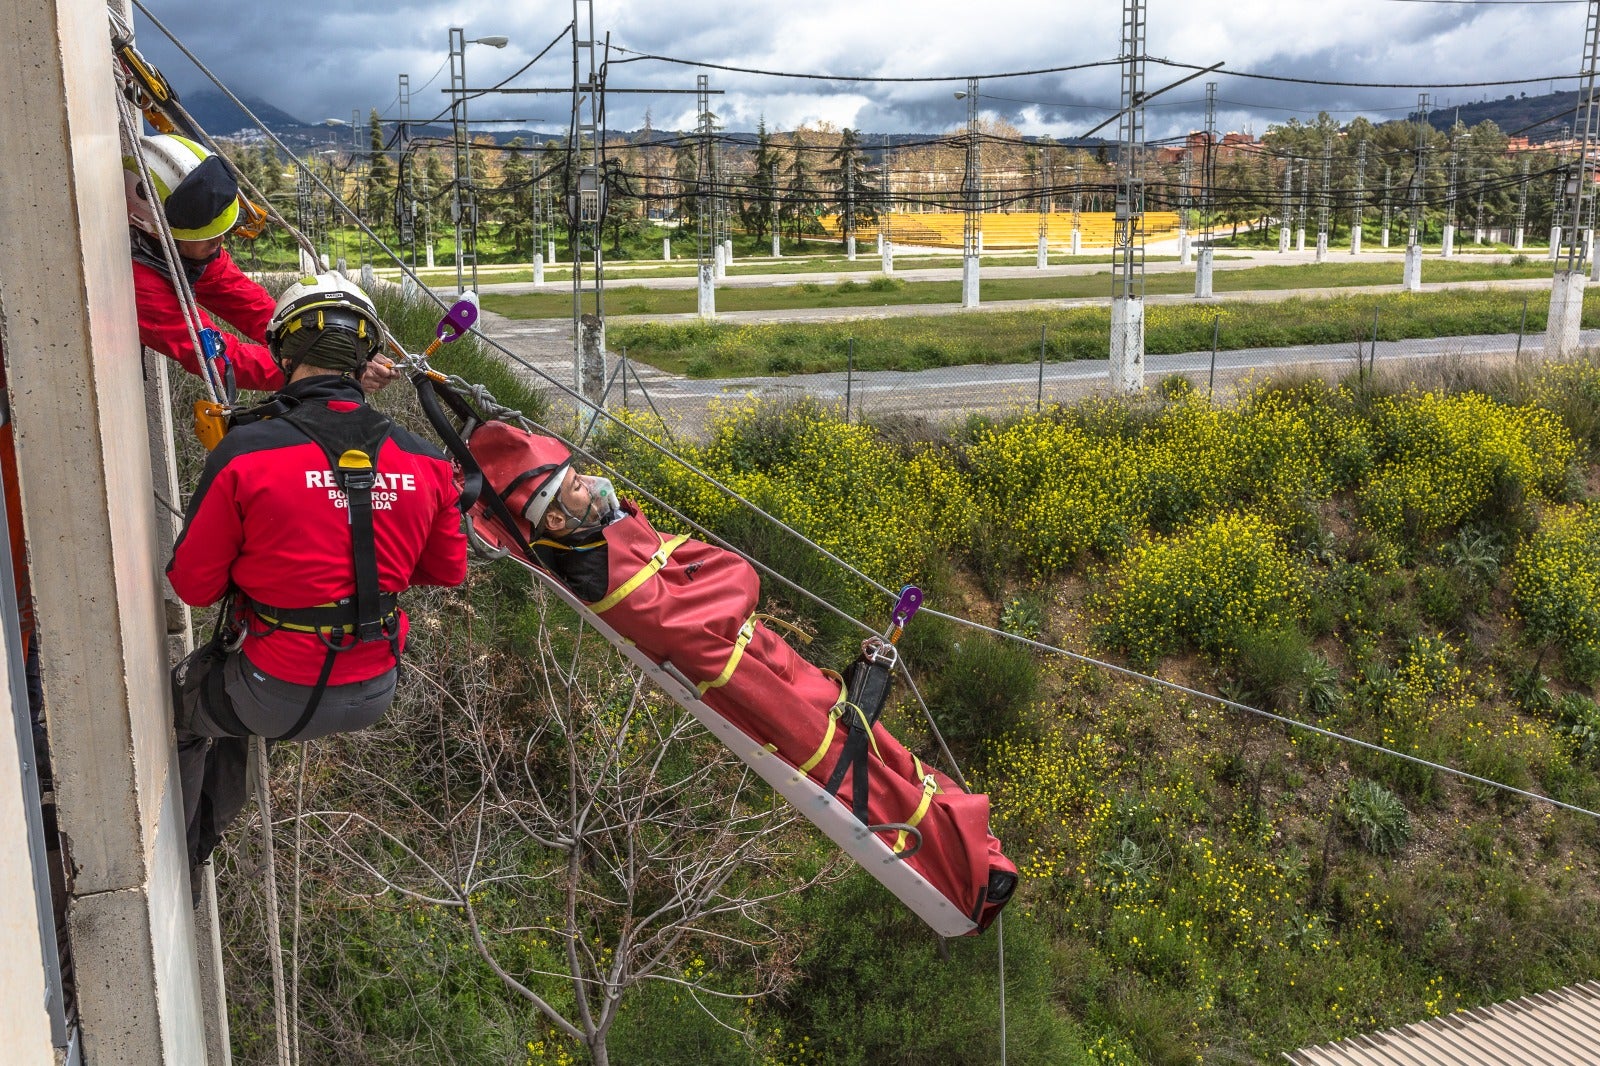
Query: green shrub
{"points": [[1555, 583], [1445, 459], [1578, 717], [1377, 817], [1208, 587], [1046, 493], [982, 688]]}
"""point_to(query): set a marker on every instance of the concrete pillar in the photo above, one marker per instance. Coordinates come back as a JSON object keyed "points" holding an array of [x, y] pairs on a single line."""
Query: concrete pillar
{"points": [[719, 261], [727, 252], [550, 252], [1447, 247], [1042, 257], [1355, 239], [430, 255], [880, 242], [666, 249], [1077, 242], [1594, 269], [888, 257], [850, 247], [980, 242], [408, 288], [1562, 337], [1477, 234], [707, 291], [309, 265], [591, 369], [1555, 243], [777, 250], [1283, 239], [72, 350], [344, 267], [369, 280], [1185, 250], [1127, 346], [1412, 277], [1322, 247], [1202, 274], [1300, 239], [969, 281], [1588, 244], [1383, 238], [1516, 239], [538, 269]]}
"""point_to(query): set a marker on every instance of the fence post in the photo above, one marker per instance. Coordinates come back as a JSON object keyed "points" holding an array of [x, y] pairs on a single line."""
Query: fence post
{"points": [[624, 377], [1216, 333], [1522, 327], [849, 376], [1038, 403], [1372, 363]]}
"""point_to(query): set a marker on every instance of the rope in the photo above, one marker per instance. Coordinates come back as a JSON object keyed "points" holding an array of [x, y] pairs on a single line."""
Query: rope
{"points": [[131, 127], [258, 748], [294, 928]]}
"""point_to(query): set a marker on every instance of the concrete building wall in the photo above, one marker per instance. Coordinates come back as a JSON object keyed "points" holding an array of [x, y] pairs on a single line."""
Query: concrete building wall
{"points": [[71, 344]]}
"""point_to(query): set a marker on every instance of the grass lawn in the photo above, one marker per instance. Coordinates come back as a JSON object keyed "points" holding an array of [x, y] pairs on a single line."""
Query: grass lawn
{"points": [[721, 349], [894, 291]]}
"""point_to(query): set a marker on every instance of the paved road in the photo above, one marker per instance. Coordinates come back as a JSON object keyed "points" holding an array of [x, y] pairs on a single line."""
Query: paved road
{"points": [[1239, 259], [955, 391]]}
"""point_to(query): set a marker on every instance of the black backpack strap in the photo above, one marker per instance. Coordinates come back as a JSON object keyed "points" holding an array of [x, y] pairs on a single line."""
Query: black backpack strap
{"points": [[351, 441], [867, 684]]}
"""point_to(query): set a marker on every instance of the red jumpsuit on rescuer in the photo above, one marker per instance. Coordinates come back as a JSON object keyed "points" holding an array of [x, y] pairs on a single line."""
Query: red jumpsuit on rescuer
{"points": [[275, 521]]}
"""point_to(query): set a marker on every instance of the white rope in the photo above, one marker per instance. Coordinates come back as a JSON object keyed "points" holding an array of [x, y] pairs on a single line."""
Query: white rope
{"points": [[258, 748], [294, 927]]}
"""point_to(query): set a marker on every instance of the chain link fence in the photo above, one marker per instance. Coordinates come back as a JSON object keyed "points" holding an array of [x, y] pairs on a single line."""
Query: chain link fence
{"points": [[1211, 346]]}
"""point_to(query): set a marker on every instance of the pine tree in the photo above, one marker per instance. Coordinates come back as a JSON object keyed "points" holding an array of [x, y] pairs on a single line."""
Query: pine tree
{"points": [[380, 174]]}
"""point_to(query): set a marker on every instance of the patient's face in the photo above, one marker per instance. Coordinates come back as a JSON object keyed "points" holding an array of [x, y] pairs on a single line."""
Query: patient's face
{"points": [[573, 506]]}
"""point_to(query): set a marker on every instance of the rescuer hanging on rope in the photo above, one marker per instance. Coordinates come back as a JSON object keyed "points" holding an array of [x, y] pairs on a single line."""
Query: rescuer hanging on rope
{"points": [[200, 204], [312, 515]]}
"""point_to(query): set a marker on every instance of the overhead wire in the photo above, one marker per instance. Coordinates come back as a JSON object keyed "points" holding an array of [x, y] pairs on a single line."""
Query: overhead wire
{"points": [[583, 402]]}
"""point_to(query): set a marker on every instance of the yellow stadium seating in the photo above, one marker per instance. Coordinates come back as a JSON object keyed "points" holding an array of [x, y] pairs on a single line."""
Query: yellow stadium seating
{"points": [[1002, 231]]}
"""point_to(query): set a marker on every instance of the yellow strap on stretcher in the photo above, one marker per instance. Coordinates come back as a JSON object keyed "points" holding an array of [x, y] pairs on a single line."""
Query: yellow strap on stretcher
{"points": [[929, 787], [746, 631], [833, 725], [626, 589]]}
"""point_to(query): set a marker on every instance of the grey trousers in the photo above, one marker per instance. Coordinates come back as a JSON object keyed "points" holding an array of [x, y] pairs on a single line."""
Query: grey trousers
{"points": [[211, 762]]}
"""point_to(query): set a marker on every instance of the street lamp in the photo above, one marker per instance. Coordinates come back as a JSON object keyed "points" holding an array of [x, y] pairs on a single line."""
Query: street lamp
{"points": [[462, 143], [972, 231]]}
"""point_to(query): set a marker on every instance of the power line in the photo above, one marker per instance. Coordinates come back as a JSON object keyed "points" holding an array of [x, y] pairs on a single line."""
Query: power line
{"points": [[638, 56]]}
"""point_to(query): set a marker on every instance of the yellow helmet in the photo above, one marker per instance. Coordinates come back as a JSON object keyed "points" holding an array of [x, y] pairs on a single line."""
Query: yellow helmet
{"points": [[195, 188]]}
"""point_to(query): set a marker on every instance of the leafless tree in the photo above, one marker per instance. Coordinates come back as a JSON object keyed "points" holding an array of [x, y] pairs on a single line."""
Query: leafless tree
{"points": [[590, 835]]}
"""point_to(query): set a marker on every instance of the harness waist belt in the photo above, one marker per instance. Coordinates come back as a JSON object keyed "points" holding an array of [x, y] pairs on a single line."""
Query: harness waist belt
{"points": [[339, 615]]}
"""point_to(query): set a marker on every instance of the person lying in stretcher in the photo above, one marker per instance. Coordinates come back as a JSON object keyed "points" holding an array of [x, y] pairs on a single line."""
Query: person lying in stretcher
{"points": [[693, 605]]}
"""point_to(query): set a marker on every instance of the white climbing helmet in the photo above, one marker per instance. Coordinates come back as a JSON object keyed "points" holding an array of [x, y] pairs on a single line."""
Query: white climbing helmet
{"points": [[196, 189], [321, 302]]}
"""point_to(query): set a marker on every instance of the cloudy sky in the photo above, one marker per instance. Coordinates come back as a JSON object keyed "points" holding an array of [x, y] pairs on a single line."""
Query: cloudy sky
{"points": [[316, 61]]}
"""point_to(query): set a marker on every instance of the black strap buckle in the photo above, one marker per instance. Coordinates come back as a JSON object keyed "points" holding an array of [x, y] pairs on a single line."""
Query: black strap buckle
{"points": [[358, 480]]}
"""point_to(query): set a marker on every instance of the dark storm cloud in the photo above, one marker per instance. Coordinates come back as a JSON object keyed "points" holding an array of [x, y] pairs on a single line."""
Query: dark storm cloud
{"points": [[316, 61]]}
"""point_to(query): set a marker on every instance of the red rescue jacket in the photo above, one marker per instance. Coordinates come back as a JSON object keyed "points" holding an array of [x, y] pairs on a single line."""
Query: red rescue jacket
{"points": [[224, 290], [266, 519]]}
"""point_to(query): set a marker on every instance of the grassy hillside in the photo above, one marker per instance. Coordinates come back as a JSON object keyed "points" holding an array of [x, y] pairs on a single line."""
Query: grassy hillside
{"points": [[1418, 568]]}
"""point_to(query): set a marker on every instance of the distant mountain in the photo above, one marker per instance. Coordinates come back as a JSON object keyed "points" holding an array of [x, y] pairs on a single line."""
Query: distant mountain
{"points": [[1538, 118], [221, 117]]}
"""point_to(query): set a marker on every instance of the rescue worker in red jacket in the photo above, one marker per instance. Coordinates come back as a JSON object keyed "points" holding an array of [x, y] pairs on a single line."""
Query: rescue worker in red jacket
{"points": [[315, 513], [200, 200]]}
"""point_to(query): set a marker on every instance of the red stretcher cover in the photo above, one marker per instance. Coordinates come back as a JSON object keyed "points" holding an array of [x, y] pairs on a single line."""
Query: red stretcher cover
{"points": [[694, 605]]}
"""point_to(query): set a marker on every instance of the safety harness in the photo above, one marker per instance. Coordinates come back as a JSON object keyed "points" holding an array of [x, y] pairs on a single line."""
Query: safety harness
{"points": [[351, 441]]}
